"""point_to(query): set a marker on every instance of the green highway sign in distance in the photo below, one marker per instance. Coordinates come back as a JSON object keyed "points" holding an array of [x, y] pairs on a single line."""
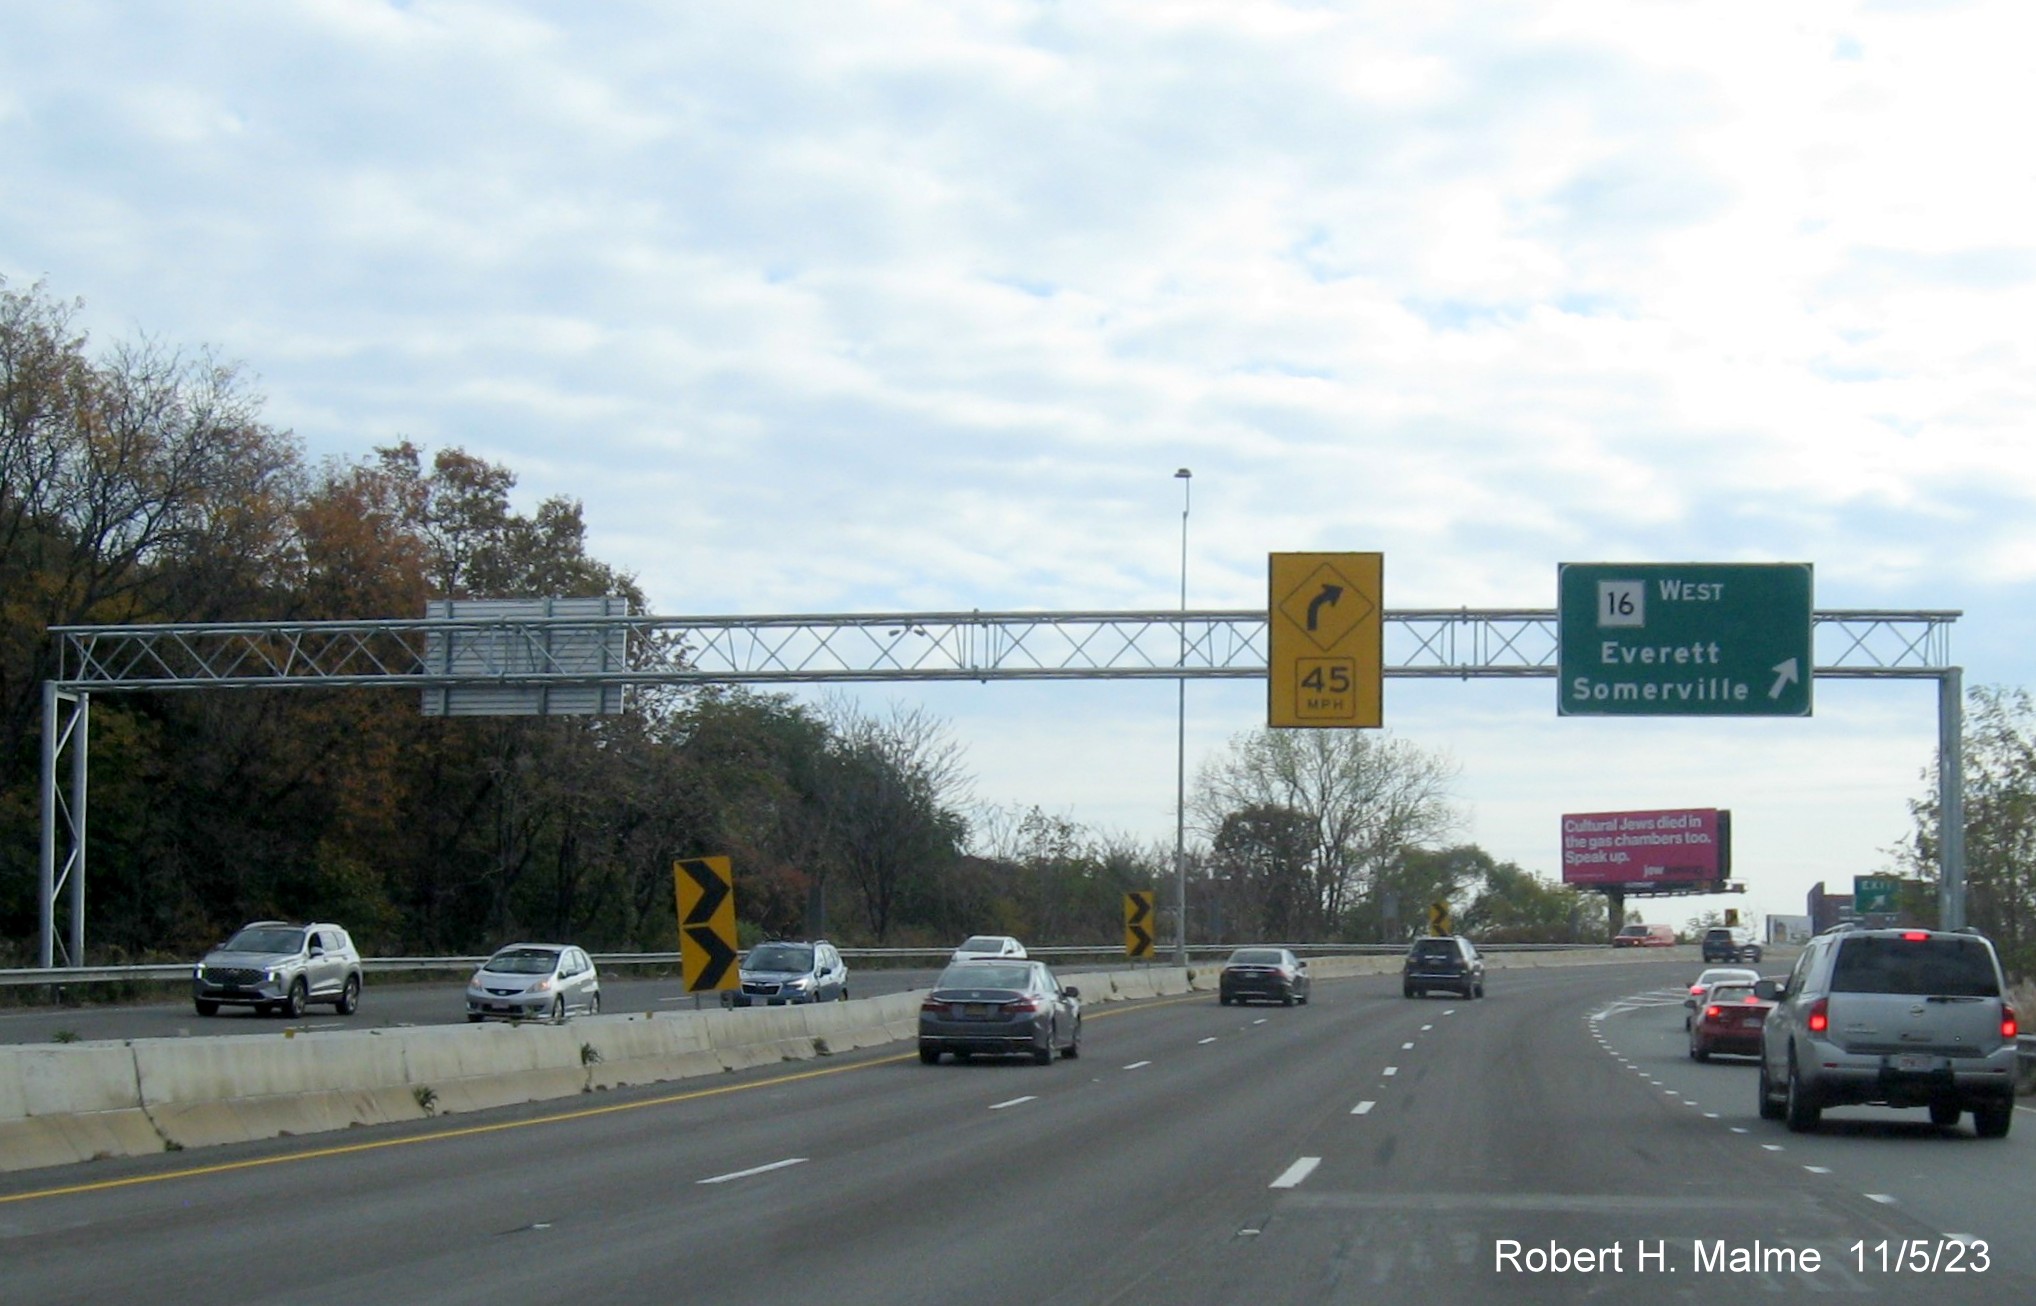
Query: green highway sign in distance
{"points": [[1683, 639]]}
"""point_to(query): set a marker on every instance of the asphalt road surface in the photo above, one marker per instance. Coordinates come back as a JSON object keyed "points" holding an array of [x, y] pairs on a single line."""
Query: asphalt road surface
{"points": [[1551, 1143]]}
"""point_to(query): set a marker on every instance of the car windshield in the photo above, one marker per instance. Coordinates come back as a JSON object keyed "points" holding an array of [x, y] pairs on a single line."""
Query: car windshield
{"points": [[523, 961], [1256, 957], [1435, 948], [1732, 993], [1633, 930], [983, 943], [976, 975], [1949, 967], [780, 956], [267, 938]]}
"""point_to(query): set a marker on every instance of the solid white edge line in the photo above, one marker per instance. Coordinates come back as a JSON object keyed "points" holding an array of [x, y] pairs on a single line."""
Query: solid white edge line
{"points": [[757, 1170], [1292, 1176], [1138, 1065], [1205, 1042], [1016, 1101]]}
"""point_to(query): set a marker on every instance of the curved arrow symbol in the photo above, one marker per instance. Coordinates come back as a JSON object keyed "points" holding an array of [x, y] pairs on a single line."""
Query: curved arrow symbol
{"points": [[712, 890], [719, 957], [1785, 673], [1329, 595]]}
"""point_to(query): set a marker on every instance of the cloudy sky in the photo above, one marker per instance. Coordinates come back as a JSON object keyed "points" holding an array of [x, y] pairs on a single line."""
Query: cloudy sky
{"points": [[841, 306]]}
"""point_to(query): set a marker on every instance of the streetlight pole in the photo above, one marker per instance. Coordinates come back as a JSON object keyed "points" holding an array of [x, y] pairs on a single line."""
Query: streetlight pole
{"points": [[1186, 478]]}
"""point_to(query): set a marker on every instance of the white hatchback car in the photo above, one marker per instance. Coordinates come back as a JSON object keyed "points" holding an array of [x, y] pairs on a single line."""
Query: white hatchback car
{"points": [[992, 946], [534, 981]]}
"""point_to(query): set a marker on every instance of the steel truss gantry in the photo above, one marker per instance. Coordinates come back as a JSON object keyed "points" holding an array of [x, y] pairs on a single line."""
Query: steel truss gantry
{"points": [[494, 652]]}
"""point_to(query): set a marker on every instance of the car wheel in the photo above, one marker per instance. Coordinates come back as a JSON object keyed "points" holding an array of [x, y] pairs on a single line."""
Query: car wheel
{"points": [[1801, 1111], [842, 996], [473, 1018], [1770, 1109], [1409, 991], [1222, 999], [1698, 1052], [594, 1003], [349, 997], [1481, 990], [929, 1055], [1993, 1119], [1287, 998], [293, 1006], [558, 1009], [1074, 1046], [1043, 1054], [1945, 1114], [206, 1006]]}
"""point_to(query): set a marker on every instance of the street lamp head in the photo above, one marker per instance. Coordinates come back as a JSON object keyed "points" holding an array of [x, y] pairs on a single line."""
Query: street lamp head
{"points": [[1183, 474]]}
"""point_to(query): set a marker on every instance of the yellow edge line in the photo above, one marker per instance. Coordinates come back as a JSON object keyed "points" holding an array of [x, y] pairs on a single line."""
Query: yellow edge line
{"points": [[469, 1130]]}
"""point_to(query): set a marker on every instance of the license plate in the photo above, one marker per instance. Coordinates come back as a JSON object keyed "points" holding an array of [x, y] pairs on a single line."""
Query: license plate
{"points": [[1915, 1061], [979, 1010]]}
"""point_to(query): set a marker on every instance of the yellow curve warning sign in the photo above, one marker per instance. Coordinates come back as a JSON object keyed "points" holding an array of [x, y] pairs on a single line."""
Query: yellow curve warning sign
{"points": [[1325, 659]]}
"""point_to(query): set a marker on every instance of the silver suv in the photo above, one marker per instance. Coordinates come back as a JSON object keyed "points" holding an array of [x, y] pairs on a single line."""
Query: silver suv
{"points": [[278, 968], [1898, 1018], [783, 973]]}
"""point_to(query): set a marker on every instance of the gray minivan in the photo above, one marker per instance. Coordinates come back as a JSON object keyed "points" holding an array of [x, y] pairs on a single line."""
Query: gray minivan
{"points": [[1891, 1017]]}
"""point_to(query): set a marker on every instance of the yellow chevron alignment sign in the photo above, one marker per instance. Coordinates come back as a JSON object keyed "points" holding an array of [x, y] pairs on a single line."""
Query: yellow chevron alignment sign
{"points": [[707, 949], [1138, 923]]}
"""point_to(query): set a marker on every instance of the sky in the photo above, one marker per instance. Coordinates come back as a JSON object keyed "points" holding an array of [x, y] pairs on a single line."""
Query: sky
{"points": [[843, 306]]}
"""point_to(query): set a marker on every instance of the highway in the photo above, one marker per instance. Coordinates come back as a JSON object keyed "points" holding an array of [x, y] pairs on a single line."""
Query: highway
{"points": [[384, 1005], [1363, 1148]]}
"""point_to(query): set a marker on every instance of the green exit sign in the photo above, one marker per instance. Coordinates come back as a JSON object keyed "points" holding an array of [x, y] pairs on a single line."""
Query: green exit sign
{"points": [[1683, 639], [1875, 894]]}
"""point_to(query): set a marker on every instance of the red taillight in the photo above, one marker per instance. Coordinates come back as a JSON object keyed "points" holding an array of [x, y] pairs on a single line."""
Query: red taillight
{"points": [[933, 1007], [1915, 936], [1820, 1018], [1712, 1013], [1022, 1004], [2008, 1027]]}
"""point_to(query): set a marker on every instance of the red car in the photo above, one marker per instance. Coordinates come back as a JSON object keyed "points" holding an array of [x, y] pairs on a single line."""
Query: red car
{"points": [[1730, 1020]]}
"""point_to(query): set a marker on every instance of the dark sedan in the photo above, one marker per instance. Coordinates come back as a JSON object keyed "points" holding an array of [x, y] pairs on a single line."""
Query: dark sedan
{"points": [[1000, 1007], [1274, 974]]}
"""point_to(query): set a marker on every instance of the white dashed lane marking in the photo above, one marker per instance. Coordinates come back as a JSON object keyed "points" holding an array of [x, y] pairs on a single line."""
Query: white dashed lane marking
{"points": [[755, 1170], [1292, 1176]]}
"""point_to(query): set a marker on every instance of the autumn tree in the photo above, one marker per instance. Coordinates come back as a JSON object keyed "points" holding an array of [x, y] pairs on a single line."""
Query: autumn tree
{"points": [[1999, 770], [892, 790], [1362, 799]]}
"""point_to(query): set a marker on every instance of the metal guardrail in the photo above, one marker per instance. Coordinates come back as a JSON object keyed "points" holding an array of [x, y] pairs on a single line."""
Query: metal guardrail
{"points": [[171, 971]]}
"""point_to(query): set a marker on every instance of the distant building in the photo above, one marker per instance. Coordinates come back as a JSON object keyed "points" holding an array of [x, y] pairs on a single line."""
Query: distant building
{"points": [[1828, 909], [1788, 929]]}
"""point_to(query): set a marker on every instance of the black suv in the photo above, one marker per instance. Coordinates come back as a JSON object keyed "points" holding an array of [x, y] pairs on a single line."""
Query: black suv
{"points": [[1899, 1018], [1445, 962], [1724, 943]]}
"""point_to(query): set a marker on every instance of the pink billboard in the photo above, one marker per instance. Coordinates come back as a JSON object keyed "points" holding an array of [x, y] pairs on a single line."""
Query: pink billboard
{"points": [[1688, 845]]}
